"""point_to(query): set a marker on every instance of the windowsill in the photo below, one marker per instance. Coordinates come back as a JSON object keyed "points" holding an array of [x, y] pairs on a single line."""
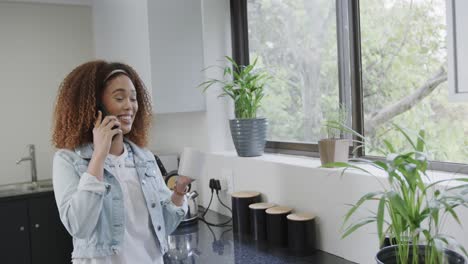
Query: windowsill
{"points": [[315, 164]]}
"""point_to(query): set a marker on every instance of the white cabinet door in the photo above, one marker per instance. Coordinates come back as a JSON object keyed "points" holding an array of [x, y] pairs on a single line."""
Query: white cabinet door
{"points": [[121, 34], [176, 47], [457, 44]]}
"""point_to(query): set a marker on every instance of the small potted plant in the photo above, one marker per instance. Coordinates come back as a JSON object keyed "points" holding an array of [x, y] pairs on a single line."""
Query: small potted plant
{"points": [[334, 148], [414, 206], [244, 84]]}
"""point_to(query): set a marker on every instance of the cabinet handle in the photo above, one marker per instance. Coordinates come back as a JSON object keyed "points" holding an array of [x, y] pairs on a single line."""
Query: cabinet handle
{"points": [[21, 228], [36, 225]]}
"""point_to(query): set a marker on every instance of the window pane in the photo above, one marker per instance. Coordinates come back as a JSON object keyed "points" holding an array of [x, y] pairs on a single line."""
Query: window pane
{"points": [[404, 59], [296, 41]]}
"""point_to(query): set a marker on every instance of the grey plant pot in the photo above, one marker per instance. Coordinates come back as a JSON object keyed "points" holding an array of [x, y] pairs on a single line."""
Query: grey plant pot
{"points": [[388, 255], [249, 136], [333, 150]]}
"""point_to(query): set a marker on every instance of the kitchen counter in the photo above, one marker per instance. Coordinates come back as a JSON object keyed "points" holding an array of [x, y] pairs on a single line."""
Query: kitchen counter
{"points": [[25, 190], [198, 243], [203, 244]]}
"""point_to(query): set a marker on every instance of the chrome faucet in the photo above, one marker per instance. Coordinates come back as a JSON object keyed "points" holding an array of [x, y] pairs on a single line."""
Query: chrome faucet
{"points": [[32, 158]]}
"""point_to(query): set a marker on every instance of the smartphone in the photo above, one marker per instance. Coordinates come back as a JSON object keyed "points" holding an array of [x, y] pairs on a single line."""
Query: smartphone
{"points": [[104, 112]]}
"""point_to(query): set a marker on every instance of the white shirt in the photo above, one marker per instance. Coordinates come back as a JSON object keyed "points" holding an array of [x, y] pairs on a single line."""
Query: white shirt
{"points": [[139, 244]]}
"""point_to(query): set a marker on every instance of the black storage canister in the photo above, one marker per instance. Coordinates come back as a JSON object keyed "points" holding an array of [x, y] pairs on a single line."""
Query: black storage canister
{"points": [[301, 233], [258, 220], [277, 226], [240, 210]]}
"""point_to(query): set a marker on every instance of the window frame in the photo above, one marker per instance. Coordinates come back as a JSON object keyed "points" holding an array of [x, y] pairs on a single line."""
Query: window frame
{"points": [[349, 73]]}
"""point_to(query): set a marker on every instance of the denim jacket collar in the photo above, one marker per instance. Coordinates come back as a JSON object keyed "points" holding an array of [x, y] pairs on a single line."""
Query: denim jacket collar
{"points": [[86, 151]]}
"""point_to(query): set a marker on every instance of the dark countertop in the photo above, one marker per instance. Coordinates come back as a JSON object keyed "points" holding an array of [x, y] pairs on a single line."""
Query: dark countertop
{"points": [[203, 244]]}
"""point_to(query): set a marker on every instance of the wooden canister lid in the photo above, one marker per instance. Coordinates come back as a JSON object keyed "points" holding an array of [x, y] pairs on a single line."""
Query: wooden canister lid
{"points": [[245, 194], [278, 210], [300, 217], [260, 206]]}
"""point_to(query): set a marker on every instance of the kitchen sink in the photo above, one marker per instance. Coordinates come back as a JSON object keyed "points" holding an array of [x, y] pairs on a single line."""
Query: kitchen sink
{"points": [[26, 187]]}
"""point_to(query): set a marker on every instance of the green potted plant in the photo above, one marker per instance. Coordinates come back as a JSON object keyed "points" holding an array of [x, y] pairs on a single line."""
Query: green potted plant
{"points": [[414, 206], [334, 148], [244, 84]]}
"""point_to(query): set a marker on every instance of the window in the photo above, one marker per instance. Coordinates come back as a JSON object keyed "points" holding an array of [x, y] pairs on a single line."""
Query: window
{"points": [[404, 75], [400, 47], [296, 41]]}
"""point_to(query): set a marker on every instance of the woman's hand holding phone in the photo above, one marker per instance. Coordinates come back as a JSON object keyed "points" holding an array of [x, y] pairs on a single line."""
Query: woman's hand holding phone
{"points": [[104, 130]]}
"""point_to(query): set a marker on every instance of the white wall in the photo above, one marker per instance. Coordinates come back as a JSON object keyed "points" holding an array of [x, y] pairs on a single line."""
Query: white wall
{"points": [[170, 133], [121, 34], [40, 44]]}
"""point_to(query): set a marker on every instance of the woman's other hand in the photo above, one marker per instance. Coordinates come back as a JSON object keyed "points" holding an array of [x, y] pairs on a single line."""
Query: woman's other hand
{"points": [[180, 189], [182, 183]]}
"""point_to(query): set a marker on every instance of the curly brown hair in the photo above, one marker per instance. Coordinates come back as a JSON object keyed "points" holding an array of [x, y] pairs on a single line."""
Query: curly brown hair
{"points": [[77, 99]]}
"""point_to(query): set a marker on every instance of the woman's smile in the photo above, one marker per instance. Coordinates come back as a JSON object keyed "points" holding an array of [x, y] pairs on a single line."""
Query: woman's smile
{"points": [[125, 119]]}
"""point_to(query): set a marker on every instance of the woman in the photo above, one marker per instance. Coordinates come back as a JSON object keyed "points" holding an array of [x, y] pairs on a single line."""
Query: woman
{"points": [[109, 191]]}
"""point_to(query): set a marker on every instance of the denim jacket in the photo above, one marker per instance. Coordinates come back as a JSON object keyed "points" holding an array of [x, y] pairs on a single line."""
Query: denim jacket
{"points": [[93, 211]]}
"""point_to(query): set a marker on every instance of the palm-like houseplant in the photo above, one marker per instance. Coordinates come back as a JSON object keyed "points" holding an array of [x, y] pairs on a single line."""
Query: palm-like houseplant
{"points": [[413, 204], [244, 84]]}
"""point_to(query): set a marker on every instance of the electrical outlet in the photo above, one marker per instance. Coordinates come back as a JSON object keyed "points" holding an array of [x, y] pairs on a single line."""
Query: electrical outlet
{"points": [[227, 181]]}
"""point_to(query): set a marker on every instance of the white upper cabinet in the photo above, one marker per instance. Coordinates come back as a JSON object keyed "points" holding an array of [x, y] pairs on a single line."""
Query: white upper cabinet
{"points": [[176, 47], [121, 34], [457, 44]]}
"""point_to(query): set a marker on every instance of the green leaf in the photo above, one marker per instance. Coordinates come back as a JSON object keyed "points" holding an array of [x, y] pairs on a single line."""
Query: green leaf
{"points": [[356, 226], [463, 186], [420, 142], [344, 165], [366, 197], [399, 205], [380, 218], [427, 234], [381, 164], [232, 62], [405, 135], [227, 71], [446, 180], [389, 146], [453, 242], [449, 209]]}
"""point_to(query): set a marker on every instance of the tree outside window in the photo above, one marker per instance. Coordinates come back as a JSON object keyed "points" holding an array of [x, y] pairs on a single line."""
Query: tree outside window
{"points": [[404, 70]]}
